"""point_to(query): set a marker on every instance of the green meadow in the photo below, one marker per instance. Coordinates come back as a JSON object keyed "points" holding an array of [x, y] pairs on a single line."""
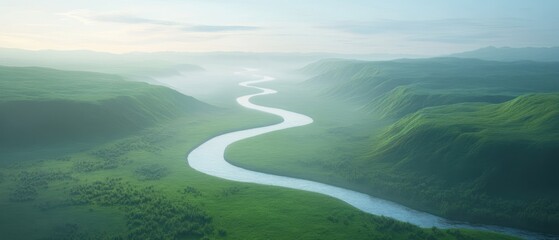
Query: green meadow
{"points": [[135, 183]]}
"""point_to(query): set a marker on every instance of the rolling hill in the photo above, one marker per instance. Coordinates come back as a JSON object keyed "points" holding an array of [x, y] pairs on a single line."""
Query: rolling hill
{"points": [[550, 54], [485, 131], [465, 127], [493, 163], [397, 88], [47, 106]]}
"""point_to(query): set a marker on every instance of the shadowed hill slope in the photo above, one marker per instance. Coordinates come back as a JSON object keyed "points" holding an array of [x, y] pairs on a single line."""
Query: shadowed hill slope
{"points": [[495, 162], [480, 136], [40, 105]]}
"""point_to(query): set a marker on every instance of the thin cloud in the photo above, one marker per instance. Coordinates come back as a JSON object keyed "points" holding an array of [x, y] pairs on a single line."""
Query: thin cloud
{"points": [[88, 17], [440, 25], [217, 28], [127, 19], [459, 38], [442, 30]]}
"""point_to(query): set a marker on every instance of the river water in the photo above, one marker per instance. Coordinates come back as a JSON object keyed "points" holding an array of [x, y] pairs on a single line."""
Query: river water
{"points": [[209, 158]]}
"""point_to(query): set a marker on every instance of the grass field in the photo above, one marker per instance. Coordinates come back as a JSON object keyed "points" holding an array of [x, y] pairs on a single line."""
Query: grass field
{"points": [[83, 195]]}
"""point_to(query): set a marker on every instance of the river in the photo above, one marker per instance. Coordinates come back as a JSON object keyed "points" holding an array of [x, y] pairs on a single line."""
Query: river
{"points": [[209, 158]]}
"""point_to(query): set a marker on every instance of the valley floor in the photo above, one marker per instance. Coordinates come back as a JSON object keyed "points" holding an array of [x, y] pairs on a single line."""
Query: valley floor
{"points": [[331, 150], [141, 187]]}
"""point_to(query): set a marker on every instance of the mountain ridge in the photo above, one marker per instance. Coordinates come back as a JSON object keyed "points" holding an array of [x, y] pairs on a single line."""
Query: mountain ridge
{"points": [[543, 54]]}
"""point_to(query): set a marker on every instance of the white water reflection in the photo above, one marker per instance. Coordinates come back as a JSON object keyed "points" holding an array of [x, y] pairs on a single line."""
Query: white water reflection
{"points": [[209, 158]]}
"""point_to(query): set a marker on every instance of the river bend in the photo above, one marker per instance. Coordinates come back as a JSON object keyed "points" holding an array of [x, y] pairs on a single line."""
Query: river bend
{"points": [[209, 158]]}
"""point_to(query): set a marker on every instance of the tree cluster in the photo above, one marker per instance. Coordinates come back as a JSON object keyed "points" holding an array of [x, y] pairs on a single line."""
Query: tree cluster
{"points": [[28, 183], [151, 172], [149, 215]]}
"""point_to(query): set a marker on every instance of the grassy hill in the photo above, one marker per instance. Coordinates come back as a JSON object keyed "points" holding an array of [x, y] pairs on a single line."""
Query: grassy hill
{"points": [[396, 88], [406, 99], [493, 163], [466, 139], [47, 106], [466, 127]]}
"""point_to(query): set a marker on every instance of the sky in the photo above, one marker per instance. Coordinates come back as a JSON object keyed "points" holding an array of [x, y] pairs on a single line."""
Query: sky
{"points": [[418, 27]]}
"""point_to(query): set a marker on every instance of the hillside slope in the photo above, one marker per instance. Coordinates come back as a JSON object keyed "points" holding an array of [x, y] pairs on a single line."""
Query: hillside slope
{"points": [[541, 54], [40, 106], [397, 88], [493, 163], [472, 132]]}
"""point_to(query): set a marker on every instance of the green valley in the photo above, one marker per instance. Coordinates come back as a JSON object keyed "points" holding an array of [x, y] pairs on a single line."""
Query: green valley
{"points": [[279, 120], [466, 139], [131, 180]]}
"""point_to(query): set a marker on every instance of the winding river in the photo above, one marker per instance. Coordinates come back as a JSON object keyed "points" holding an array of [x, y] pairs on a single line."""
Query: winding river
{"points": [[209, 158]]}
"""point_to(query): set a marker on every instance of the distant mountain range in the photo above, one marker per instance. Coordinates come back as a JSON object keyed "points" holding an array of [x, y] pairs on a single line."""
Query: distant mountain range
{"points": [[83, 60], [550, 54], [168, 63]]}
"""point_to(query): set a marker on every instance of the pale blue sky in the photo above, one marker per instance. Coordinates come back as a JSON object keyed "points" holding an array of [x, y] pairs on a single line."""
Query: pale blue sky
{"points": [[425, 27]]}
